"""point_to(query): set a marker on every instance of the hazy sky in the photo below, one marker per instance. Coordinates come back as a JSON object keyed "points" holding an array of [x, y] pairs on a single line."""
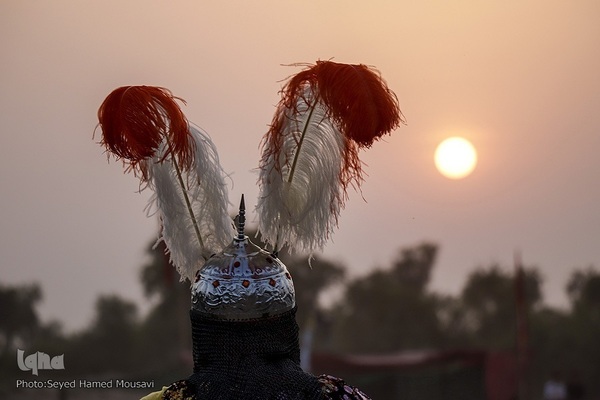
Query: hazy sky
{"points": [[520, 81]]}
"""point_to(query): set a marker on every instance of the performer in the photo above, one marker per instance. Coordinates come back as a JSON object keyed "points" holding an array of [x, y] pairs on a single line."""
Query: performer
{"points": [[244, 332]]}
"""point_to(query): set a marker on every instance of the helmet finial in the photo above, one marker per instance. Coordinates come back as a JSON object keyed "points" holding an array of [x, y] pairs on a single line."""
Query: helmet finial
{"points": [[241, 220]]}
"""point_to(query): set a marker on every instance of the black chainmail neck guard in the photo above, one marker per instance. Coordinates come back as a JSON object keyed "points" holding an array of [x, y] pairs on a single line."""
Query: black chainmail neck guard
{"points": [[255, 359]]}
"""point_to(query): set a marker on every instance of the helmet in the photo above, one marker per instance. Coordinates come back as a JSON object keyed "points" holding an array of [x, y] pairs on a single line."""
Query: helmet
{"points": [[243, 282]]}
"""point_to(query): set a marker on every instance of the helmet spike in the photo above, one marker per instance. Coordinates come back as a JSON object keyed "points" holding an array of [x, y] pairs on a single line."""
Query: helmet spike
{"points": [[241, 220]]}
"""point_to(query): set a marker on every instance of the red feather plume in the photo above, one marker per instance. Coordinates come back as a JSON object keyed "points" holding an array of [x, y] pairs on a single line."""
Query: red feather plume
{"points": [[359, 103], [359, 100], [136, 119]]}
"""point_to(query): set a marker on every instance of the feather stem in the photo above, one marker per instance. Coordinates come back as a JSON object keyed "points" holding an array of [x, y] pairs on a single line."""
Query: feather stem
{"points": [[304, 130], [276, 245], [188, 203]]}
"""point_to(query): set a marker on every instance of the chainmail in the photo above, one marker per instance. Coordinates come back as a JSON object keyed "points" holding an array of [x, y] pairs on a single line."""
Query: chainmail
{"points": [[256, 359]]}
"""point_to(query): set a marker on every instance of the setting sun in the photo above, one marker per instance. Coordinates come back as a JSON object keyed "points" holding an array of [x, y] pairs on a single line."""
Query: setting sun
{"points": [[455, 158]]}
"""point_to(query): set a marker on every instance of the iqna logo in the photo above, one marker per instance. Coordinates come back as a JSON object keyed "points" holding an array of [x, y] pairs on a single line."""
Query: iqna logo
{"points": [[39, 360]]}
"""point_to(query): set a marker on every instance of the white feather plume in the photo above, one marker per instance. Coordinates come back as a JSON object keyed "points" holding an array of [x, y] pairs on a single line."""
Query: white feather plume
{"points": [[300, 190], [192, 206]]}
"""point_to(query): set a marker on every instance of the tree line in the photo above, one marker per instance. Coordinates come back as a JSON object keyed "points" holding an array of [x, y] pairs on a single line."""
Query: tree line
{"points": [[389, 310]]}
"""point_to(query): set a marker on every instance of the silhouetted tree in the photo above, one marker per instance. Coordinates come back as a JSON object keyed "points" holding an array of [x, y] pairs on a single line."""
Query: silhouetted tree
{"points": [[583, 289], [166, 330], [109, 344], [489, 309], [18, 317], [581, 345], [391, 310]]}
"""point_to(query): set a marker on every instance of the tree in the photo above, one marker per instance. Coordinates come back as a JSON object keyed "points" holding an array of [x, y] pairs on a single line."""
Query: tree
{"points": [[583, 290], [19, 320], [581, 346], [109, 344], [489, 308], [391, 310], [166, 330]]}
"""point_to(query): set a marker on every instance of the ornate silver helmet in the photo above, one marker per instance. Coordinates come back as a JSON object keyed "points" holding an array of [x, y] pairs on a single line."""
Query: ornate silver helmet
{"points": [[243, 281]]}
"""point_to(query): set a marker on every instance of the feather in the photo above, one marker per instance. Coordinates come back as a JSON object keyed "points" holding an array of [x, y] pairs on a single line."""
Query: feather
{"points": [[135, 120], [191, 206], [144, 127], [327, 113]]}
